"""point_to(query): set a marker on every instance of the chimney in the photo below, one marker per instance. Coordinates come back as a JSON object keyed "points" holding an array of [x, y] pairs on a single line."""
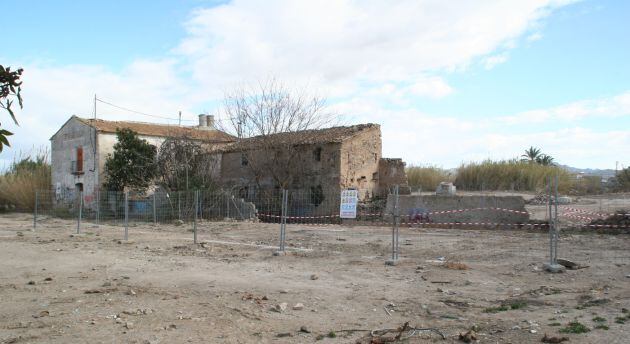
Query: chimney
{"points": [[202, 121], [210, 122]]}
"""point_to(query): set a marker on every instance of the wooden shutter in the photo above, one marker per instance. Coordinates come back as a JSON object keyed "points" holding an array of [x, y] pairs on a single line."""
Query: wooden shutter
{"points": [[79, 159]]}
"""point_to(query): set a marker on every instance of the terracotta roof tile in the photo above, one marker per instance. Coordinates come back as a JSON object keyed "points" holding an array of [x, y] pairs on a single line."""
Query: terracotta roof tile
{"points": [[303, 137], [162, 130]]}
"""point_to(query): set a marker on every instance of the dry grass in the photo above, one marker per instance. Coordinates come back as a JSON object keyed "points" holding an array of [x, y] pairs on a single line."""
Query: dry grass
{"points": [[427, 178], [510, 175], [24, 177]]}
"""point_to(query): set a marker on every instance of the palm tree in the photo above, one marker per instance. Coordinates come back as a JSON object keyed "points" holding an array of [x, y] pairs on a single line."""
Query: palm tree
{"points": [[531, 155], [545, 160]]}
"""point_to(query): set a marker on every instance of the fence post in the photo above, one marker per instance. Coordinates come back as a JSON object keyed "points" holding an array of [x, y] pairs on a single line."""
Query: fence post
{"points": [[195, 217], [98, 206], [555, 224], [126, 216], [227, 206], [154, 212], [179, 205], [395, 230], [552, 191], [80, 212], [35, 211], [283, 222]]}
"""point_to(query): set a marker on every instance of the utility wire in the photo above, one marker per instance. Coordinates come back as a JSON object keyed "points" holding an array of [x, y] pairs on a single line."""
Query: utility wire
{"points": [[158, 116], [142, 113]]}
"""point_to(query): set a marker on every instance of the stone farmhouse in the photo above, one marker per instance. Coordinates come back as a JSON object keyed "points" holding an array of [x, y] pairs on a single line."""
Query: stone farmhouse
{"points": [[80, 147], [330, 159]]}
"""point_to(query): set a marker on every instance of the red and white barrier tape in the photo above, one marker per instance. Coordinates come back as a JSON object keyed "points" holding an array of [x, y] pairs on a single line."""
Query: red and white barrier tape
{"points": [[578, 217], [299, 217], [455, 211]]}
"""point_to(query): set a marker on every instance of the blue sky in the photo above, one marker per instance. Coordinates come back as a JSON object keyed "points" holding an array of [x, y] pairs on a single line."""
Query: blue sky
{"points": [[449, 82]]}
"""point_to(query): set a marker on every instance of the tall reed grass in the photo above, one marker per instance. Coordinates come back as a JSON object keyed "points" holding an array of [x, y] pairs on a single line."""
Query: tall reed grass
{"points": [[510, 175], [19, 183], [427, 178]]}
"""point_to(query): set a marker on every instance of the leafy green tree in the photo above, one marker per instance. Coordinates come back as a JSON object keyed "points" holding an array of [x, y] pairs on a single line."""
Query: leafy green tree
{"points": [[133, 163], [622, 180], [545, 160], [10, 87], [535, 155], [531, 154]]}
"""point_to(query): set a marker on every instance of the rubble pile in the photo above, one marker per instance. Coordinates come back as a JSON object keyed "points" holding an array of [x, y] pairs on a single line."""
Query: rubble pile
{"points": [[620, 218], [540, 199]]}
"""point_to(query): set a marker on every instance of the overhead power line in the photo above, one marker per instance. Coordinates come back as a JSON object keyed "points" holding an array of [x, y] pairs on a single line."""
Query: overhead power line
{"points": [[142, 113], [155, 116]]}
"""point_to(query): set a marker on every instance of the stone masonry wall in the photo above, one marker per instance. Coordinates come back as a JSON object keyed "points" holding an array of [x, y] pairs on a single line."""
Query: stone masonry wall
{"points": [[360, 158]]}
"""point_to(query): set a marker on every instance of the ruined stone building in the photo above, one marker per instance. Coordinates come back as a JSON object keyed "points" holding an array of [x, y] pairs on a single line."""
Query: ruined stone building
{"points": [[80, 147], [319, 161]]}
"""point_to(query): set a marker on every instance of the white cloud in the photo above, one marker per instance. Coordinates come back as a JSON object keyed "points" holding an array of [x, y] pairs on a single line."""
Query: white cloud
{"points": [[422, 138], [364, 44], [491, 61], [366, 55], [53, 93], [602, 108]]}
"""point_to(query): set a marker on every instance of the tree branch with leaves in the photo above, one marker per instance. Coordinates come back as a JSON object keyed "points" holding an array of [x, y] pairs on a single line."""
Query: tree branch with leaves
{"points": [[132, 165], [10, 90]]}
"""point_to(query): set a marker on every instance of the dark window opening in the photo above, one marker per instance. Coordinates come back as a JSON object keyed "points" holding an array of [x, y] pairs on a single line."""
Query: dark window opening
{"points": [[79, 187], [243, 192], [244, 161], [375, 176], [77, 164], [317, 154], [317, 195]]}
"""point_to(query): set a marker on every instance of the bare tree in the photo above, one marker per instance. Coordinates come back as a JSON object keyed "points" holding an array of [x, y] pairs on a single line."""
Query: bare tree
{"points": [[273, 123], [184, 164]]}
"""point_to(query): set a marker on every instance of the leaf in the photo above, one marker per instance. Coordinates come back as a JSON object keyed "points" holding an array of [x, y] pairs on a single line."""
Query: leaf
{"points": [[4, 140]]}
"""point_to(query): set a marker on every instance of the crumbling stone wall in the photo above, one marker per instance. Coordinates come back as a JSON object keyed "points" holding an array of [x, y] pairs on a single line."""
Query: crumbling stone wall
{"points": [[360, 156], [392, 172]]}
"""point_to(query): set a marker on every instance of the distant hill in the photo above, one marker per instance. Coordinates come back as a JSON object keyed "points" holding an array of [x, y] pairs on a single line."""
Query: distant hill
{"points": [[606, 173]]}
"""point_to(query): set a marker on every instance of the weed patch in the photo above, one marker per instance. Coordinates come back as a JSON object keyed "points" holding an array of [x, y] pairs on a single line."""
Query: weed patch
{"points": [[575, 327]]}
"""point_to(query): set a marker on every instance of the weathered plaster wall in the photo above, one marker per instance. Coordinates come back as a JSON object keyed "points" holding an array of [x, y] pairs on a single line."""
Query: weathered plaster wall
{"points": [[63, 151]]}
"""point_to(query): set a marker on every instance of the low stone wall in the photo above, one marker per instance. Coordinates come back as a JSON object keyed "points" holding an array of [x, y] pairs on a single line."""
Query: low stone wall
{"points": [[415, 206]]}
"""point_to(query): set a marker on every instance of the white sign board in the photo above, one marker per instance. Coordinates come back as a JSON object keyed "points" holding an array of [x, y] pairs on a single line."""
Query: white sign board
{"points": [[348, 207]]}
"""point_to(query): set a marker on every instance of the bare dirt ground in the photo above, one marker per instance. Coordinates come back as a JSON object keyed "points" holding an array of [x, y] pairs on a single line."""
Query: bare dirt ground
{"points": [[56, 287]]}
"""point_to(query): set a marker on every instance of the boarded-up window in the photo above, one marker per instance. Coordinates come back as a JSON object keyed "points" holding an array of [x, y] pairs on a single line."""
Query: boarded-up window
{"points": [[79, 159]]}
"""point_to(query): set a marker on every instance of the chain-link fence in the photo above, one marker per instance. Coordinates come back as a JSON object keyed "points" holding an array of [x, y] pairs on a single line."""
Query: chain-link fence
{"points": [[311, 220]]}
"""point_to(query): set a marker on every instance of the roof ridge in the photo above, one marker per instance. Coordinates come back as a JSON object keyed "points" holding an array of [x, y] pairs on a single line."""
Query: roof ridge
{"points": [[91, 120]]}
